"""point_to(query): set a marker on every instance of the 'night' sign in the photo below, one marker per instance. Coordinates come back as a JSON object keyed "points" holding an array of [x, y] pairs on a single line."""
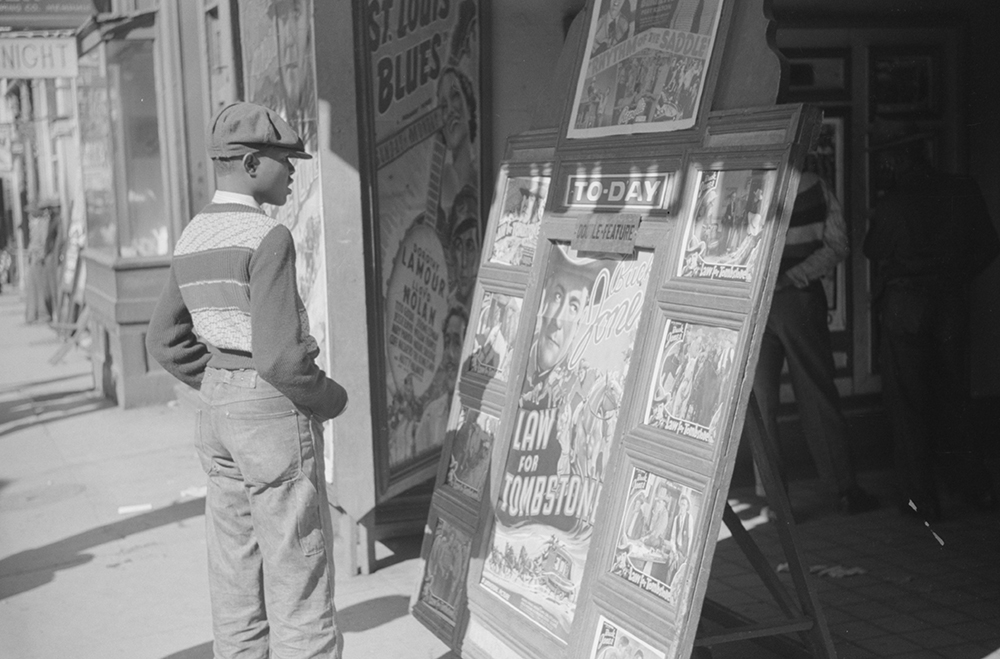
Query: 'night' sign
{"points": [[37, 57]]}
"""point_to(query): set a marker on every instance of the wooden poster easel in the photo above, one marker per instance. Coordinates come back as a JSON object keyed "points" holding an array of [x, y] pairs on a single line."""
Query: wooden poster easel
{"points": [[592, 527], [805, 616]]}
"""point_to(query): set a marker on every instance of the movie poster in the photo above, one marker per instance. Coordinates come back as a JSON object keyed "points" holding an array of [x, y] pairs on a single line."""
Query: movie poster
{"points": [[570, 397], [494, 337], [646, 66], [613, 642], [520, 217], [470, 451], [444, 574], [426, 112], [694, 370], [654, 546], [724, 237], [279, 73]]}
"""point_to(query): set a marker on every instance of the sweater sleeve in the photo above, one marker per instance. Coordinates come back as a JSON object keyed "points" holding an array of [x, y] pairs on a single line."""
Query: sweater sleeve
{"points": [[281, 353], [835, 246], [171, 340]]}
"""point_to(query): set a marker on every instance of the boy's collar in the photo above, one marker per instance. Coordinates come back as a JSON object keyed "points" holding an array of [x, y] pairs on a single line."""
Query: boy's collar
{"points": [[227, 197]]}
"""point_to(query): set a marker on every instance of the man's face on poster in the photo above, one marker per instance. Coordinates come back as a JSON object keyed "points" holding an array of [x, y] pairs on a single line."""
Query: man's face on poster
{"points": [[456, 113], [465, 246], [566, 296], [454, 334], [616, 7]]}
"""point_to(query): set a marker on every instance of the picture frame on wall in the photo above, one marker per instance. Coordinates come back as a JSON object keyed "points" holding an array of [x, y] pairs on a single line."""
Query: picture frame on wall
{"points": [[819, 74], [905, 82]]}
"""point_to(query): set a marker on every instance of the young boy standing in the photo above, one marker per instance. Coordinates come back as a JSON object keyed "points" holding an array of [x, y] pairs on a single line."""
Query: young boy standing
{"points": [[231, 324]]}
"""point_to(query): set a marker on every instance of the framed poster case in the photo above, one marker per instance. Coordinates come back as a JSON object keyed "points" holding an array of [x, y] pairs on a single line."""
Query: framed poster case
{"points": [[486, 366], [422, 124], [640, 318]]}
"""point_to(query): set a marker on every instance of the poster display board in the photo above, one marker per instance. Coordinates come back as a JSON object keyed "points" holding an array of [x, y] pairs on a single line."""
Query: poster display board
{"points": [[613, 425], [422, 99]]}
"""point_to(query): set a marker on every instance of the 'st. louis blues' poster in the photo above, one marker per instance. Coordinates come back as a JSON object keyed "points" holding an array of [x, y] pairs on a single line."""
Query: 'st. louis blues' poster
{"points": [[565, 421]]}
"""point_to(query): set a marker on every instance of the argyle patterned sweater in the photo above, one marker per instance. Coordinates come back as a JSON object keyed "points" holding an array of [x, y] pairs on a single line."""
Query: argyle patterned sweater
{"points": [[231, 302]]}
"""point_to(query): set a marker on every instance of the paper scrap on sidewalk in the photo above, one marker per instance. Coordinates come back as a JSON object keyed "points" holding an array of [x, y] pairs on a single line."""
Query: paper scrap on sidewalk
{"points": [[194, 492], [138, 508]]}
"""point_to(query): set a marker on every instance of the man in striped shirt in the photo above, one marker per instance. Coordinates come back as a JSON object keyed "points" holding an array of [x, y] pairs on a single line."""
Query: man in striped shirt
{"points": [[797, 331], [231, 324]]}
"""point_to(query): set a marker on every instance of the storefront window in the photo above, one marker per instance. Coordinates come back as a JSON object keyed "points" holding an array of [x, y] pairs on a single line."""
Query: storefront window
{"points": [[96, 152], [132, 91]]}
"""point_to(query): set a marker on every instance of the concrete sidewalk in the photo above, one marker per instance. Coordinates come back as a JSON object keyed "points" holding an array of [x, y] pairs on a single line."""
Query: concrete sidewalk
{"points": [[102, 550]]}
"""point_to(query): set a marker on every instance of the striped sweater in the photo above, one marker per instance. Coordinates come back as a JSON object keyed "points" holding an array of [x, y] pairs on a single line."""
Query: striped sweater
{"points": [[816, 240], [231, 302]]}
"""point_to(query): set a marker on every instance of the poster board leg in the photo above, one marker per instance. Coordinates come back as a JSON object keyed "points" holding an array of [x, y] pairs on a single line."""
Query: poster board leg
{"points": [[765, 454]]}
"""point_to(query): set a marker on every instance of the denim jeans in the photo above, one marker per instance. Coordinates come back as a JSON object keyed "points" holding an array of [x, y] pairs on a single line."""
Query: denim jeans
{"points": [[796, 330], [270, 552]]}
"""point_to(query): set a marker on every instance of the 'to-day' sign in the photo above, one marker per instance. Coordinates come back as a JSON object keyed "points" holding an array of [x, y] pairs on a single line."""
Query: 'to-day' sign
{"points": [[612, 191], [38, 57]]}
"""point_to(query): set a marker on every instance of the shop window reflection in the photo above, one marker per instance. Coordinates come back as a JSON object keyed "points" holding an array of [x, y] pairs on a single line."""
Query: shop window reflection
{"points": [[131, 76]]}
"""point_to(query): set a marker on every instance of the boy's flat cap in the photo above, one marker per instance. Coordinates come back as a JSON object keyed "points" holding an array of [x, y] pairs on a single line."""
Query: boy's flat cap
{"points": [[240, 128]]}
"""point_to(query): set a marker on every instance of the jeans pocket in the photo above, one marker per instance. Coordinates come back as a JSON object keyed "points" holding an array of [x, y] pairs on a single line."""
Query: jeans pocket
{"points": [[310, 525], [201, 433], [267, 447]]}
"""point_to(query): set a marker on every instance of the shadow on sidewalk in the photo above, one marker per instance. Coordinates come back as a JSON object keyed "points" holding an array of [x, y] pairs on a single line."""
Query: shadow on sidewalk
{"points": [[29, 410], [31, 568], [372, 613], [200, 651]]}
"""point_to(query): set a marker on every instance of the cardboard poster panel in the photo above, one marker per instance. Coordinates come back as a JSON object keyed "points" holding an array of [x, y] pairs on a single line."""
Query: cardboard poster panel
{"points": [[444, 576], [494, 336], [564, 422], [694, 368], [723, 237], [469, 456], [655, 542], [613, 641], [522, 202], [645, 66]]}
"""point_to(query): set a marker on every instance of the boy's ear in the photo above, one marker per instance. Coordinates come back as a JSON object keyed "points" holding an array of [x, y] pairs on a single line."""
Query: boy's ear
{"points": [[250, 163]]}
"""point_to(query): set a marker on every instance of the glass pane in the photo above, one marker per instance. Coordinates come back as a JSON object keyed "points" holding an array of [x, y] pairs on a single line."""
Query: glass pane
{"points": [[96, 152], [143, 227]]}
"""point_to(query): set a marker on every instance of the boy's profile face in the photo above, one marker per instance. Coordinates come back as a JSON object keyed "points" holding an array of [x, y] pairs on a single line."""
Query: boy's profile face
{"points": [[272, 179]]}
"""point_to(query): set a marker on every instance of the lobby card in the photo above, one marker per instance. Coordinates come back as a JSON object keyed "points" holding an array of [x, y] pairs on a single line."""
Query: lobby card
{"points": [[653, 549], [444, 574], [694, 370], [470, 452], [612, 641], [494, 338], [725, 232], [517, 229]]}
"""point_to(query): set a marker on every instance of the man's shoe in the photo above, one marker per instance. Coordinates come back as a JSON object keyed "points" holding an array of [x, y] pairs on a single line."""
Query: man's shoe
{"points": [[856, 501]]}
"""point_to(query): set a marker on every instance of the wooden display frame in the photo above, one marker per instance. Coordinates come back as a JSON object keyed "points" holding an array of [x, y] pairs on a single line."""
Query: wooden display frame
{"points": [[497, 629], [548, 531], [529, 157]]}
